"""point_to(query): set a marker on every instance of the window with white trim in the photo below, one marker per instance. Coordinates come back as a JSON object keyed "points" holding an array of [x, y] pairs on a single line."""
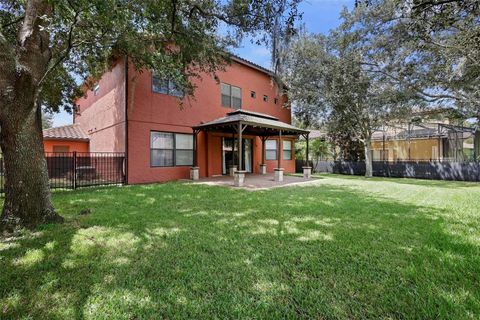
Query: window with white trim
{"points": [[169, 149], [231, 96], [287, 150], [271, 150]]}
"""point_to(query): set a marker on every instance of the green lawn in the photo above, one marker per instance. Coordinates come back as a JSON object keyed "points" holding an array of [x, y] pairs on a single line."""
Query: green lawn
{"points": [[347, 248]]}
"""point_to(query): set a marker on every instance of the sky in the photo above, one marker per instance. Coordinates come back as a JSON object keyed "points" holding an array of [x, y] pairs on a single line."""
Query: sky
{"points": [[319, 16]]}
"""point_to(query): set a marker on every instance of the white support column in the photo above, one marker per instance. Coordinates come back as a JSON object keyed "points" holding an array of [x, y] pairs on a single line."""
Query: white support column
{"points": [[194, 173], [239, 178], [278, 174]]}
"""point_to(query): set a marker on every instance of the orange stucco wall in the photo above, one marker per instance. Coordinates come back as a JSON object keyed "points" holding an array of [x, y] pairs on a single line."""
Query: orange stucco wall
{"points": [[103, 118], [73, 146], [149, 111]]}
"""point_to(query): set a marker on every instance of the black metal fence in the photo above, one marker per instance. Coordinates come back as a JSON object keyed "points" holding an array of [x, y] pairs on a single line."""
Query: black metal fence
{"points": [[72, 170], [436, 170]]}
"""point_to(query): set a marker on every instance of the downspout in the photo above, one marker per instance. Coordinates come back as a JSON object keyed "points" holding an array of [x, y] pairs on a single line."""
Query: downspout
{"points": [[126, 119]]}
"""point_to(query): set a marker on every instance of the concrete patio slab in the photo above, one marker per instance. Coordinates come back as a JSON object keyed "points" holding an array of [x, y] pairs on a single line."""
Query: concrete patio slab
{"points": [[256, 181]]}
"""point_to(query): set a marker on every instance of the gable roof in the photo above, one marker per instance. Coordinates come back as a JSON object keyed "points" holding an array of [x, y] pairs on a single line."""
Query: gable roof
{"points": [[68, 132]]}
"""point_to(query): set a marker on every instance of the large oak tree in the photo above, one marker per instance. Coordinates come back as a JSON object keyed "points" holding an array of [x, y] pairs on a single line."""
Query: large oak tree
{"points": [[45, 45]]}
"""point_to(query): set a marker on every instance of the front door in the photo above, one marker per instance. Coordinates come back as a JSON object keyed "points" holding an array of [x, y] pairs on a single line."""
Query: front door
{"points": [[230, 154]]}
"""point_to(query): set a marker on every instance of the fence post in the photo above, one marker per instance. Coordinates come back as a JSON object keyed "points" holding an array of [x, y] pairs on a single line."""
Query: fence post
{"points": [[75, 170]]}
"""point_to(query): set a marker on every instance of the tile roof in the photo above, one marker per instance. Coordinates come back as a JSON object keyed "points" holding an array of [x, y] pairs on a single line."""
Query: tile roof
{"points": [[68, 132], [251, 64]]}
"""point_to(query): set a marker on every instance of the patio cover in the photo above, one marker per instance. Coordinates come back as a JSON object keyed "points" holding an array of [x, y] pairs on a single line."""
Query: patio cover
{"points": [[242, 122], [255, 123]]}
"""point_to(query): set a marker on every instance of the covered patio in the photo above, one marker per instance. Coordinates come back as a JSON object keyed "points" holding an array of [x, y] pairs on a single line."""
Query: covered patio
{"points": [[240, 123]]}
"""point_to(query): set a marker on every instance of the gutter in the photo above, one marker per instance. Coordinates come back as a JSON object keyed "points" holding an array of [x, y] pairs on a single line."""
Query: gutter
{"points": [[126, 119]]}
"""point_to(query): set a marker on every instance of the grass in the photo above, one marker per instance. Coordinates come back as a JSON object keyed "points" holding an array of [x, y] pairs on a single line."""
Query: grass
{"points": [[346, 248]]}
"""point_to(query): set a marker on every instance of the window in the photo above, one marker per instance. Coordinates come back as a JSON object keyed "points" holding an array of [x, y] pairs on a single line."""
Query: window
{"points": [[171, 149], [271, 150], [231, 96], [275, 100], [96, 90], [265, 98], [183, 149], [165, 86], [61, 149], [287, 150], [253, 94]]}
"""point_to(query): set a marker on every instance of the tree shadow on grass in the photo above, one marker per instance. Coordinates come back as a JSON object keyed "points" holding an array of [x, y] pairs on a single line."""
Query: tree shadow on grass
{"points": [[447, 184], [189, 251]]}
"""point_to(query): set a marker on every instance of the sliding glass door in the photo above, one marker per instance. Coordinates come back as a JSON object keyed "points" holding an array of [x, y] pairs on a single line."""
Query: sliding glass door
{"points": [[230, 154]]}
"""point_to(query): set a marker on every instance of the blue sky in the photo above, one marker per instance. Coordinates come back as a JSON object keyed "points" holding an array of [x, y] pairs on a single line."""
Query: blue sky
{"points": [[319, 16]]}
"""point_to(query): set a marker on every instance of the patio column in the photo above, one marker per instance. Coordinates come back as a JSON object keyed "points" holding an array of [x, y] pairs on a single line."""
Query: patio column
{"points": [[279, 169], [307, 170], [233, 167], [194, 171], [239, 175], [263, 166]]}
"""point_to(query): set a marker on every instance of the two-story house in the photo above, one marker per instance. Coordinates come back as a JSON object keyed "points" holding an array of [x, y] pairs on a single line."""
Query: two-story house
{"points": [[138, 113]]}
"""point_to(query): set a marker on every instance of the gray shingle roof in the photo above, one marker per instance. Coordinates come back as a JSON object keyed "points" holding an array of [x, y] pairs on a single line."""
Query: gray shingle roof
{"points": [[253, 119], [68, 132]]}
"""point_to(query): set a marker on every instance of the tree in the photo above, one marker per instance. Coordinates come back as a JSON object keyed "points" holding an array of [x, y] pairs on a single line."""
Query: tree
{"points": [[45, 44], [47, 120], [433, 47], [328, 80]]}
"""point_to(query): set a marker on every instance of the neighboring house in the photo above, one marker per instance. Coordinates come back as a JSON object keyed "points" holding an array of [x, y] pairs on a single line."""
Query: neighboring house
{"points": [[70, 138], [439, 141], [426, 142], [139, 113]]}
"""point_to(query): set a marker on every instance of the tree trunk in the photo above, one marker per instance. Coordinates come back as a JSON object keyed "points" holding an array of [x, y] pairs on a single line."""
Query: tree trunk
{"points": [[24, 65], [368, 158], [27, 193]]}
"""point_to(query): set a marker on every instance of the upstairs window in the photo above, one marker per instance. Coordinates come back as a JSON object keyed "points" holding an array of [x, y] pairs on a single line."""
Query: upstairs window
{"points": [[231, 96], [265, 98], [287, 150], [275, 100], [165, 86], [253, 94], [271, 150]]}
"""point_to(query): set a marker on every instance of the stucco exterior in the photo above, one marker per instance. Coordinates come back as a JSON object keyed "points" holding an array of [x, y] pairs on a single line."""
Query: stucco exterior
{"points": [[103, 118], [72, 146]]}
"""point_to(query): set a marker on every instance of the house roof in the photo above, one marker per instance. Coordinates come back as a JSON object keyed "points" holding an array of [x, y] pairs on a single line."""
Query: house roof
{"points": [[68, 132], [251, 64], [257, 124], [423, 130]]}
